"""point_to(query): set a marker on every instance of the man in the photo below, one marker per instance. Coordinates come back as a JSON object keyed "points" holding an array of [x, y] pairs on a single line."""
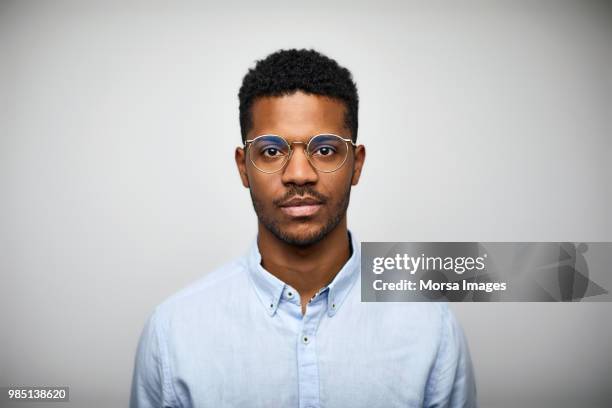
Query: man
{"points": [[284, 325]]}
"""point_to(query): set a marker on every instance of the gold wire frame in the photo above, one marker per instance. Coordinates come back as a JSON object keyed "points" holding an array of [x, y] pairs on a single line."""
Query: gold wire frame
{"points": [[246, 142]]}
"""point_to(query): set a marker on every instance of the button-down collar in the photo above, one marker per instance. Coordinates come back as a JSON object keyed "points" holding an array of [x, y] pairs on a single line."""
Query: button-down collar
{"points": [[270, 289]]}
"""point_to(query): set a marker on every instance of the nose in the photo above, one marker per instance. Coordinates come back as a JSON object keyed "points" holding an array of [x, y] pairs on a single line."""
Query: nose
{"points": [[299, 170]]}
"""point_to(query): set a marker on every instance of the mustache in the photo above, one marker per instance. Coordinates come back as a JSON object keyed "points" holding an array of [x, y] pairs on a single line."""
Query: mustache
{"points": [[300, 191]]}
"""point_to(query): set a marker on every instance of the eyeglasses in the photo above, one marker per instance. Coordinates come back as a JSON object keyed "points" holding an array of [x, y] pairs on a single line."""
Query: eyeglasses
{"points": [[325, 152]]}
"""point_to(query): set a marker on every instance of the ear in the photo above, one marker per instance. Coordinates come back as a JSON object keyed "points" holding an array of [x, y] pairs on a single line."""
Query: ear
{"points": [[240, 157], [360, 154]]}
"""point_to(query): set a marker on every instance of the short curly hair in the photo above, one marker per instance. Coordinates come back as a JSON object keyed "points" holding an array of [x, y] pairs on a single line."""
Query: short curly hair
{"points": [[286, 71]]}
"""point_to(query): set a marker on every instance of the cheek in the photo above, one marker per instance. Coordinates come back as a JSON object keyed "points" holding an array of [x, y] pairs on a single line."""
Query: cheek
{"points": [[336, 185], [265, 187]]}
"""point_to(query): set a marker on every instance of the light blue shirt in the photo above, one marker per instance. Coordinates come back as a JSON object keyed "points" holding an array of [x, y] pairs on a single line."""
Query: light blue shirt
{"points": [[237, 338]]}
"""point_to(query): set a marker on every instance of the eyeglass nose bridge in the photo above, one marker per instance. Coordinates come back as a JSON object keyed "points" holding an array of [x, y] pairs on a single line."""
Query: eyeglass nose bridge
{"points": [[290, 155]]}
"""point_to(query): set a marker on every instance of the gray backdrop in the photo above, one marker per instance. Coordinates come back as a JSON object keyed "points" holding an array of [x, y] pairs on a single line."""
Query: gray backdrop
{"points": [[484, 121]]}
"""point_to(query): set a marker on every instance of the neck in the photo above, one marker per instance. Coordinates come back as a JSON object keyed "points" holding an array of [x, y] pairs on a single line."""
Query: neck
{"points": [[307, 269]]}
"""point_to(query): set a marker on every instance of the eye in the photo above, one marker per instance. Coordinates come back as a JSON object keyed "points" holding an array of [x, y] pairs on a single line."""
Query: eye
{"points": [[324, 151], [271, 151]]}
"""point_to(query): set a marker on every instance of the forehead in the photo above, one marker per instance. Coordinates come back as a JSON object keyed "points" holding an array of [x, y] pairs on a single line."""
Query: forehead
{"points": [[297, 116]]}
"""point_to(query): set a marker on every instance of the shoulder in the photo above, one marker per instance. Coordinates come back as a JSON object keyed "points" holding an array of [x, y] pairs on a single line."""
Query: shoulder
{"points": [[440, 320], [223, 284], [426, 317], [425, 323], [429, 317], [432, 325]]}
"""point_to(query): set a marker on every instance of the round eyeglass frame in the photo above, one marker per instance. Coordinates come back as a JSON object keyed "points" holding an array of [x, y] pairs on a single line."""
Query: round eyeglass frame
{"points": [[346, 140]]}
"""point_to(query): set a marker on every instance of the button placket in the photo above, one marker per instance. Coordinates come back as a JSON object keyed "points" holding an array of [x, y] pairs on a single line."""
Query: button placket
{"points": [[308, 370]]}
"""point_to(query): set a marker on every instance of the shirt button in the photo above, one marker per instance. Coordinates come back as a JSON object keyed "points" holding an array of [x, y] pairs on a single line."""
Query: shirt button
{"points": [[305, 340], [290, 294]]}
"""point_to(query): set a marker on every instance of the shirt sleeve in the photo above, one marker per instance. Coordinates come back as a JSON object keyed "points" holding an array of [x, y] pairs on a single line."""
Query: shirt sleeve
{"points": [[148, 381], [451, 383]]}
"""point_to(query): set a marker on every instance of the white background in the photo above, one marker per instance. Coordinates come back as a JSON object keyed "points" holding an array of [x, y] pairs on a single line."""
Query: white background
{"points": [[485, 121]]}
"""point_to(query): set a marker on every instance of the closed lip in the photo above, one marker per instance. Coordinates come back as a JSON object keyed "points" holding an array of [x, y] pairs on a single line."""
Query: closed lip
{"points": [[298, 202]]}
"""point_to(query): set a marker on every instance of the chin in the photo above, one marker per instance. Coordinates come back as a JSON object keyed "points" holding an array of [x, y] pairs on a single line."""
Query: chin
{"points": [[305, 234]]}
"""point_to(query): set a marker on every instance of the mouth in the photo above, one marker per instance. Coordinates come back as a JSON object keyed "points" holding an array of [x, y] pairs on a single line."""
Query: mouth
{"points": [[301, 207]]}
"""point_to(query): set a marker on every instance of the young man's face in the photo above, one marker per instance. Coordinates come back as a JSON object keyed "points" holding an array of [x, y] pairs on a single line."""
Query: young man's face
{"points": [[299, 204]]}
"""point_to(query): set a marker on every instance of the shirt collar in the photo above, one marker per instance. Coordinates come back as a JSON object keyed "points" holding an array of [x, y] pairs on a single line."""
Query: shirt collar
{"points": [[269, 288]]}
